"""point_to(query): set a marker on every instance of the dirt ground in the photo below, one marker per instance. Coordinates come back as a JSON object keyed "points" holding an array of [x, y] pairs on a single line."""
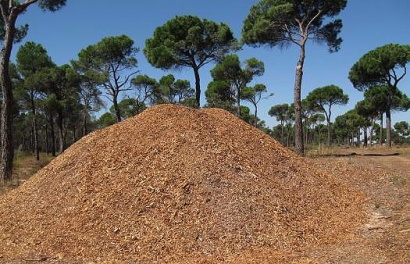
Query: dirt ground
{"points": [[385, 180], [385, 237]]}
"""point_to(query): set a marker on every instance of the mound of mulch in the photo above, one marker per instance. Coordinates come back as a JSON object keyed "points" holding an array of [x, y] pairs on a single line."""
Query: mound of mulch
{"points": [[175, 184]]}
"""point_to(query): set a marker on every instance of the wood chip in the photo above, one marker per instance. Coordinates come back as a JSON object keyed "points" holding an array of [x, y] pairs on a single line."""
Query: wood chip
{"points": [[171, 185]]}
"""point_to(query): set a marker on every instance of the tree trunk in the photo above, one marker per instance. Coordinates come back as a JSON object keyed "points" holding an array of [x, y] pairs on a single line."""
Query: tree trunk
{"points": [[306, 131], [388, 128], [60, 133], [328, 133], [35, 128], [288, 138], [281, 135], [381, 129], [46, 139], [6, 126], [7, 148], [53, 136], [32, 139], [85, 129], [300, 149], [365, 137], [116, 108], [256, 115], [238, 103], [74, 134], [197, 86], [371, 133]]}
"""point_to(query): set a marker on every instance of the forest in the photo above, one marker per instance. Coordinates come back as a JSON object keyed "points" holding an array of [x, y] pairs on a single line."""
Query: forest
{"points": [[47, 107]]}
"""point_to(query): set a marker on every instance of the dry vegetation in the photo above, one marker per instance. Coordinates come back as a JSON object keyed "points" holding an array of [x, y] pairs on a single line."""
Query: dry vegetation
{"points": [[178, 185], [24, 167]]}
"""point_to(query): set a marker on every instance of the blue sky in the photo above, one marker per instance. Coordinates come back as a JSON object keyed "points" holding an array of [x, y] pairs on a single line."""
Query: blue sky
{"points": [[367, 24]]}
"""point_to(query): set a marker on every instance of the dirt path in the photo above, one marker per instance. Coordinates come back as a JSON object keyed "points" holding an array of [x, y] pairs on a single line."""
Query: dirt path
{"points": [[385, 237]]}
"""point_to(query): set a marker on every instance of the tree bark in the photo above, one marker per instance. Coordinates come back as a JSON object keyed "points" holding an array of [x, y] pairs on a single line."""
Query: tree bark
{"points": [[47, 150], [328, 133], [53, 136], [371, 133], [381, 129], [116, 108], [365, 137], [6, 126], [85, 128], [300, 149], [306, 130], [388, 128], [35, 128], [7, 147], [256, 115], [238, 102], [197, 86], [282, 132], [60, 132]]}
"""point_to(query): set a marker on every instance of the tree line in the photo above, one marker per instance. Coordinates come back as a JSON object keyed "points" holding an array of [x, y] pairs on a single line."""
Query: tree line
{"points": [[50, 106]]}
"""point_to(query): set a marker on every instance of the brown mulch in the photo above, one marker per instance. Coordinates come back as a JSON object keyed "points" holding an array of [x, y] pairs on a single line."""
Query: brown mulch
{"points": [[177, 185]]}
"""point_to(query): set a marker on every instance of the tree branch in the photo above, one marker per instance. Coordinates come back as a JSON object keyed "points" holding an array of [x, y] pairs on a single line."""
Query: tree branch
{"points": [[311, 21], [292, 39]]}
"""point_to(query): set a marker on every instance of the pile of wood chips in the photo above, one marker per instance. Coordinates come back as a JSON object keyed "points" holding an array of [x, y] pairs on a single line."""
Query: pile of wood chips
{"points": [[175, 184]]}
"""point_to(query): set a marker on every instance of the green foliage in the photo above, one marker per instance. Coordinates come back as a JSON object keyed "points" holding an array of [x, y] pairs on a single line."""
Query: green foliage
{"points": [[229, 75], [129, 107], [367, 108], [230, 70], [381, 100], [219, 95], [245, 114], [32, 57], [380, 66], [383, 67], [21, 32], [283, 113], [109, 55], [281, 22], [284, 22], [51, 5], [182, 91], [254, 95], [322, 99], [109, 63], [147, 89], [174, 91], [188, 41], [105, 120], [325, 97], [10, 11], [402, 128], [349, 123], [280, 112]]}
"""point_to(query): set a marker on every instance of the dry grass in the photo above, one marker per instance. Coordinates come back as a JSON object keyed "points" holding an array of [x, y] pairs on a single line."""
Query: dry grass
{"points": [[25, 165], [324, 151]]}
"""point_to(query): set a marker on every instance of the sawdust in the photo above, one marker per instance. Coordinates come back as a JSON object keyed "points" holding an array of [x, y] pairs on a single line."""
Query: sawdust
{"points": [[176, 184]]}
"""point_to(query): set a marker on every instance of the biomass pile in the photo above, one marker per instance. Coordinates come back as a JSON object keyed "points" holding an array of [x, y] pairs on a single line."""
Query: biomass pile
{"points": [[173, 184]]}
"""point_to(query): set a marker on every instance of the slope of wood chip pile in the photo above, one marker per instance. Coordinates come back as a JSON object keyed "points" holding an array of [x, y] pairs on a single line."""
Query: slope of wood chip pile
{"points": [[175, 184]]}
